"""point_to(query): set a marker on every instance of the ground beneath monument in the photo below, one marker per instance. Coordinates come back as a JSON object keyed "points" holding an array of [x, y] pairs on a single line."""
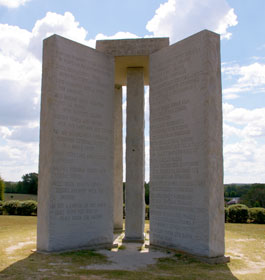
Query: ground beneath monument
{"points": [[245, 244], [129, 256]]}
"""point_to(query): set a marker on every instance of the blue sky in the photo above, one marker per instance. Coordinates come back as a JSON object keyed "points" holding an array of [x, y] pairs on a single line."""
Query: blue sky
{"points": [[241, 23]]}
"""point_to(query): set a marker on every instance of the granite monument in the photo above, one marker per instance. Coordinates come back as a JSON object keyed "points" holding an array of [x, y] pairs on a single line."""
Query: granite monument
{"points": [[80, 166]]}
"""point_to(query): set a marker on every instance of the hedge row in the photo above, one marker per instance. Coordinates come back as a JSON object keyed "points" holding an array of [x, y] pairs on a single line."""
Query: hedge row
{"points": [[1, 207], [240, 213], [237, 213], [17, 207]]}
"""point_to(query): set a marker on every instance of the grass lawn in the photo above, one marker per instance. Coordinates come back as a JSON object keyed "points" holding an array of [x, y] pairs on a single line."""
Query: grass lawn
{"points": [[245, 243], [18, 196]]}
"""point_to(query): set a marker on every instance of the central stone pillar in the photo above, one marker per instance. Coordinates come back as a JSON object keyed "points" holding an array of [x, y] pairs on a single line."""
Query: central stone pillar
{"points": [[134, 199]]}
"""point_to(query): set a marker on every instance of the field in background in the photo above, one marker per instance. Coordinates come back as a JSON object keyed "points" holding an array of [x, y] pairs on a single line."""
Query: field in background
{"points": [[245, 243], [18, 196]]}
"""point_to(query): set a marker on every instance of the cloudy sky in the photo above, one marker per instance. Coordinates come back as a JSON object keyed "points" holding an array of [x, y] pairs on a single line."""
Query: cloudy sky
{"points": [[241, 23]]}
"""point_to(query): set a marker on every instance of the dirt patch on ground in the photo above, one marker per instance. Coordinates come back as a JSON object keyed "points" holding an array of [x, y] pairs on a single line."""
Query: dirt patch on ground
{"points": [[20, 245], [250, 266], [128, 256]]}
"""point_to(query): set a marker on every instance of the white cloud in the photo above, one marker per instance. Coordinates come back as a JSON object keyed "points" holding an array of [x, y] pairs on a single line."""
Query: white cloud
{"points": [[53, 23], [20, 68], [252, 75], [181, 18], [13, 3], [244, 145], [20, 73], [18, 158], [244, 129], [244, 162], [20, 80], [14, 41], [230, 19], [249, 78], [28, 133], [5, 132], [66, 26], [118, 35], [229, 131], [251, 121], [258, 58], [230, 96]]}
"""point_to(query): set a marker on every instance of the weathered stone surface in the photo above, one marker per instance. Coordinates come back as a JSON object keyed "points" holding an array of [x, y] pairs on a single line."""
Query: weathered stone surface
{"points": [[118, 166], [186, 170], [134, 199], [131, 47], [76, 147]]}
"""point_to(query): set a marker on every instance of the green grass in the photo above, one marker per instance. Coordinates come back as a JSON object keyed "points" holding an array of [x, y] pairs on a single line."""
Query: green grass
{"points": [[122, 247], [245, 243], [18, 196]]}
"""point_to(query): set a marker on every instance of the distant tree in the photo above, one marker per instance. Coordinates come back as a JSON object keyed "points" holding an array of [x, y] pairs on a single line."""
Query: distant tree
{"points": [[20, 188], [234, 190], [2, 189], [10, 187], [232, 194], [123, 188], [146, 188], [255, 197], [29, 183]]}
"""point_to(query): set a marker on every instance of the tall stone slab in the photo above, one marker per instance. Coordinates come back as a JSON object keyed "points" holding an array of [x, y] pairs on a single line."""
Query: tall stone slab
{"points": [[134, 190], [186, 165], [118, 165], [76, 147]]}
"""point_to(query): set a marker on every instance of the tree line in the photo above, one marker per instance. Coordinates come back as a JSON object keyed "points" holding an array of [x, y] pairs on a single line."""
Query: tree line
{"points": [[252, 195], [28, 185]]}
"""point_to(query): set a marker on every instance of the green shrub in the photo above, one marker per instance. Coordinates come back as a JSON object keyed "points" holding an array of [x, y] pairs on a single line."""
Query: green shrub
{"points": [[123, 211], [2, 189], [10, 207], [28, 208], [238, 213], [147, 215], [1, 207], [23, 208], [226, 214], [257, 215]]}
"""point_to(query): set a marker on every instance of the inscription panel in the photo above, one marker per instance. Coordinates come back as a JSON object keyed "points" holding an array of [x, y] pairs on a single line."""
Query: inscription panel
{"points": [[76, 147], [182, 144]]}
